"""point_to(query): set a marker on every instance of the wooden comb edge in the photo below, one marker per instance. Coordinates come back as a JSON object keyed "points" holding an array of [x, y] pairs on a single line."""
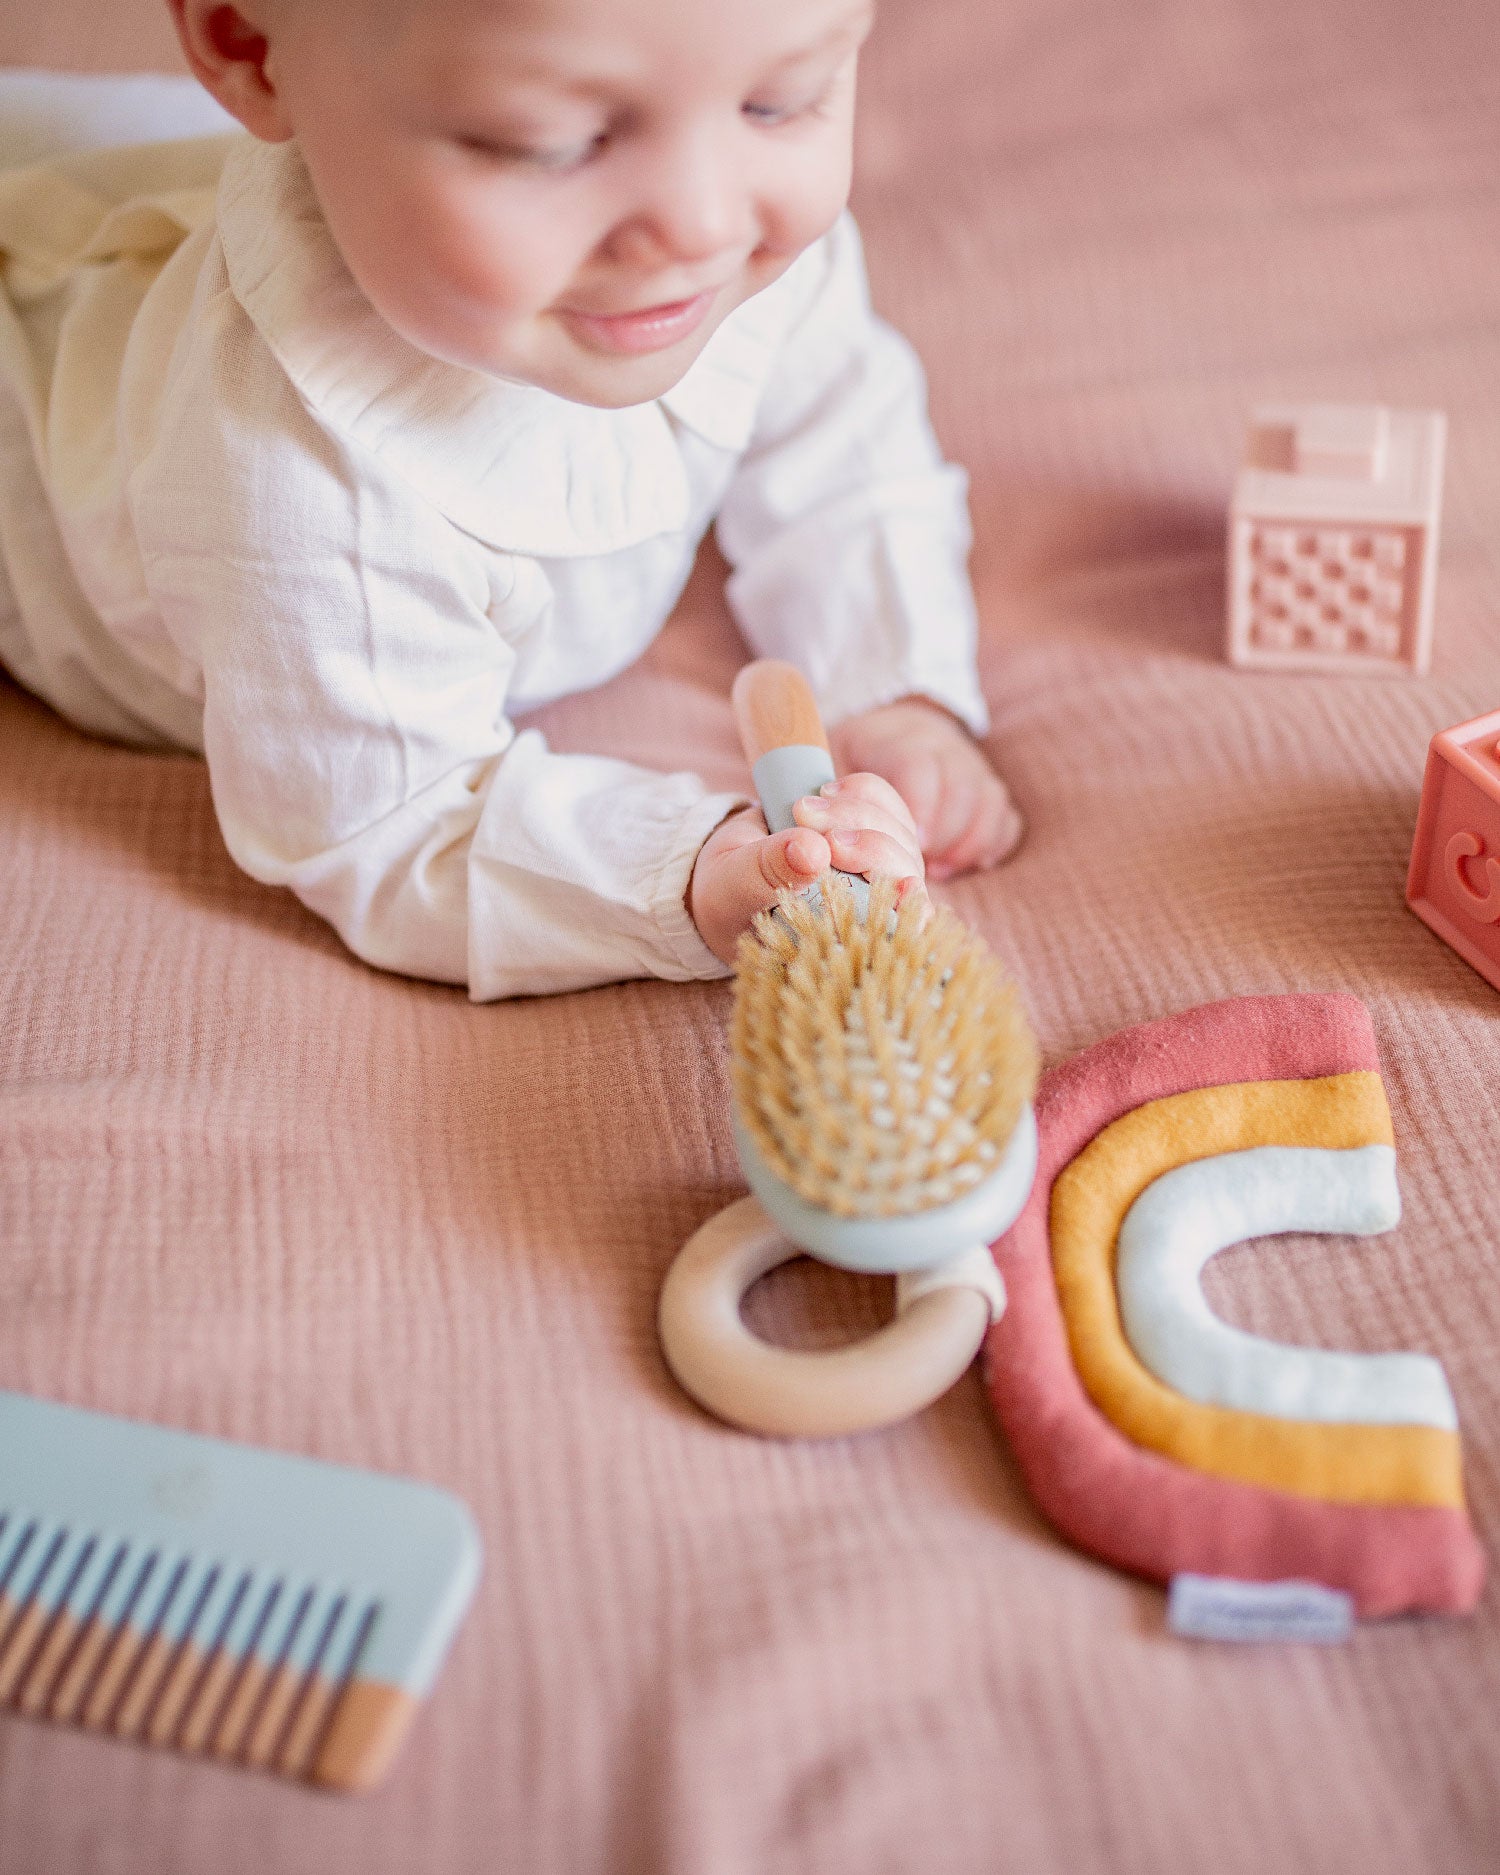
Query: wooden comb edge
{"points": [[367, 1729], [139, 1685]]}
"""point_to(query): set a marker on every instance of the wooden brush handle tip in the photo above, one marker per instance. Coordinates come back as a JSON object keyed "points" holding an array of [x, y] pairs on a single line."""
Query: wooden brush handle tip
{"points": [[774, 709]]}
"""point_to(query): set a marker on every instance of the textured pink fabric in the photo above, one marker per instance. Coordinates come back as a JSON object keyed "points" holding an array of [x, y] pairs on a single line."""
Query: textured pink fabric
{"points": [[1130, 1505], [249, 1186]]}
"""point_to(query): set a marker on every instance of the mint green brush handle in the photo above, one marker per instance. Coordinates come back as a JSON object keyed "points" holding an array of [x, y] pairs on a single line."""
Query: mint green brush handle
{"points": [[785, 744]]}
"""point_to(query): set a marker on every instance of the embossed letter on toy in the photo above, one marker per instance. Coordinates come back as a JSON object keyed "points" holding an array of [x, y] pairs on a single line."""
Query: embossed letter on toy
{"points": [[1454, 881], [1153, 1434]]}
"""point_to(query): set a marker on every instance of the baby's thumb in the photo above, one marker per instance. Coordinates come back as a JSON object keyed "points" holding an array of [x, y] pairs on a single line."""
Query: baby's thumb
{"points": [[766, 867]]}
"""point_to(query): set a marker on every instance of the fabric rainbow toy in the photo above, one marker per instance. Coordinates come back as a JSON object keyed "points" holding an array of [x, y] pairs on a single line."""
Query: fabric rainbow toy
{"points": [[1156, 1436]]}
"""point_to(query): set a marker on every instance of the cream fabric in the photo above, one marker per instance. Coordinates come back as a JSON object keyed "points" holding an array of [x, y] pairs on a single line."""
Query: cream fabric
{"points": [[240, 513]]}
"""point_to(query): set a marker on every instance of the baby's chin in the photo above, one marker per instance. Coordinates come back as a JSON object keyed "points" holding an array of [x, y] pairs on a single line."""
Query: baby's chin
{"points": [[550, 354], [615, 383]]}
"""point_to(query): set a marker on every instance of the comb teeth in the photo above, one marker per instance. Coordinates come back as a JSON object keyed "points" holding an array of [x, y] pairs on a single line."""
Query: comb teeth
{"points": [[179, 1651]]}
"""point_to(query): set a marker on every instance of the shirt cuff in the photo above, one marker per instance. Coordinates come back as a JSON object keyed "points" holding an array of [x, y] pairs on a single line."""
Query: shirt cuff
{"points": [[577, 872]]}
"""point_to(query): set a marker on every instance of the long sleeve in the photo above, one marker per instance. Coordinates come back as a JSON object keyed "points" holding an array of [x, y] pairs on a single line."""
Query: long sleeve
{"points": [[847, 533], [356, 653]]}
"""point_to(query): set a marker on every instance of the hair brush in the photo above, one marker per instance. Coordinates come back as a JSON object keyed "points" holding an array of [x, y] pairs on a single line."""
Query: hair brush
{"points": [[882, 1065]]}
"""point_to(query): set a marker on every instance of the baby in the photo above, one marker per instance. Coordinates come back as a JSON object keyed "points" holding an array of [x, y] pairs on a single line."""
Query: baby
{"points": [[330, 450]]}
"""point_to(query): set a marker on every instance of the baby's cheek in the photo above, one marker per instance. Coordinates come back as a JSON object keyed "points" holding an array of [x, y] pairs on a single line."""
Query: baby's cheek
{"points": [[476, 257], [464, 287], [802, 200], [804, 213]]}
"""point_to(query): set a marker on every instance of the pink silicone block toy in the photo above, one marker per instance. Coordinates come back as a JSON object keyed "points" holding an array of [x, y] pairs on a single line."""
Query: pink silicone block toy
{"points": [[1333, 536], [1454, 881]]}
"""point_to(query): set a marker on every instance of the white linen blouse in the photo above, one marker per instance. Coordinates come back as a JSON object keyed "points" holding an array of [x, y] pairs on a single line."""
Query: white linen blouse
{"points": [[239, 514]]}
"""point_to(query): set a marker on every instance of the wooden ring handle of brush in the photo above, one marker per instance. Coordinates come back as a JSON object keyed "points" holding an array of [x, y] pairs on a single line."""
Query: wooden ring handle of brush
{"points": [[782, 736], [792, 1393]]}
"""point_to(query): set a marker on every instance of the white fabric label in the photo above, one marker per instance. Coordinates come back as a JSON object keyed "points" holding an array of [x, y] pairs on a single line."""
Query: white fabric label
{"points": [[1218, 1608]]}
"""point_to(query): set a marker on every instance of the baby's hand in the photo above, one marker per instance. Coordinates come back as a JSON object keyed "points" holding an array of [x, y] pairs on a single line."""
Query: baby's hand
{"points": [[964, 817], [859, 824]]}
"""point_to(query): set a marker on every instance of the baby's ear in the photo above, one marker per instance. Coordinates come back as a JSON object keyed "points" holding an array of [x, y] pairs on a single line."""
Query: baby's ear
{"points": [[228, 49]]}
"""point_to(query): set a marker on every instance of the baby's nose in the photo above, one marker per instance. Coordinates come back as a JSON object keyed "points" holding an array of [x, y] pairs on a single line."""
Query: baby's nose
{"points": [[695, 206]]}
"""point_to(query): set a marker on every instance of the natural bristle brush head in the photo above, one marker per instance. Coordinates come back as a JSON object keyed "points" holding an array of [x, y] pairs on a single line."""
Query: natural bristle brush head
{"points": [[882, 1064], [883, 1069]]}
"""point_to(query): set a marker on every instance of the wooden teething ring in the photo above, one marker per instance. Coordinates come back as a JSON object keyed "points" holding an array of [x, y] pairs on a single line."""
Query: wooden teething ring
{"points": [[884, 1378]]}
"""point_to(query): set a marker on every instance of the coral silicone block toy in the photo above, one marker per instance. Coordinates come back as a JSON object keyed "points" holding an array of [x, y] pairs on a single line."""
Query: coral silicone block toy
{"points": [[1454, 881], [1333, 536]]}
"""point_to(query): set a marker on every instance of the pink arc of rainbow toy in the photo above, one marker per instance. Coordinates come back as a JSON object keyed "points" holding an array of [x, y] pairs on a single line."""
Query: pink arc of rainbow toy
{"points": [[1158, 1438]]}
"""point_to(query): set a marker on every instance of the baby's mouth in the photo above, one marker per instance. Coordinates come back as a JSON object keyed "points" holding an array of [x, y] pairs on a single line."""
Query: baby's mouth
{"points": [[649, 329]]}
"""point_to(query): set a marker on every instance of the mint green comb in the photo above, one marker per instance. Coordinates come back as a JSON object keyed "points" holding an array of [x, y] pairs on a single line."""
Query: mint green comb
{"points": [[260, 1608]]}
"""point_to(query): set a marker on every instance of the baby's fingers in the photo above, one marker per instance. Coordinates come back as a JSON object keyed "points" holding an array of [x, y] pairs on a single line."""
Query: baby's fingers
{"points": [[867, 851], [917, 778], [872, 791], [853, 812], [992, 832]]}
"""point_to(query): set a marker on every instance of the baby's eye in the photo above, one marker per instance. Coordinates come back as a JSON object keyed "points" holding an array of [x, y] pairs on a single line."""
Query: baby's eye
{"points": [[772, 114], [554, 159]]}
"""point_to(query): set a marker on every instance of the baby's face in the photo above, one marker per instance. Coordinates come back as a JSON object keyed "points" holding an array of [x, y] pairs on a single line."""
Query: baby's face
{"points": [[571, 193]]}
